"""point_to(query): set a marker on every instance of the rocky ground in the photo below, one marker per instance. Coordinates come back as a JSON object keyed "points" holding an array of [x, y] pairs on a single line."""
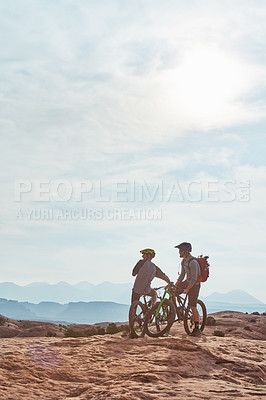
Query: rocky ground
{"points": [[33, 366]]}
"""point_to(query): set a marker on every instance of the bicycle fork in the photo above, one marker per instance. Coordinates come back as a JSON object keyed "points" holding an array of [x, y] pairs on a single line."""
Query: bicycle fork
{"points": [[161, 303]]}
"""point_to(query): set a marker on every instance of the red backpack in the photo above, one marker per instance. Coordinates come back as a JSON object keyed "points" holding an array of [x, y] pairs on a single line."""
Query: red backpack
{"points": [[204, 267]]}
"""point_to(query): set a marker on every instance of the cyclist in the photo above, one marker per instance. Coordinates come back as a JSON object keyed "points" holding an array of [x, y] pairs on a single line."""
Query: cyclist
{"points": [[146, 270], [191, 268]]}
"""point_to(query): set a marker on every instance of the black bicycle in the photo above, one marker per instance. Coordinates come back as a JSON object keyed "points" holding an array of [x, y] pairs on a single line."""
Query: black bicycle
{"points": [[172, 307], [137, 314]]}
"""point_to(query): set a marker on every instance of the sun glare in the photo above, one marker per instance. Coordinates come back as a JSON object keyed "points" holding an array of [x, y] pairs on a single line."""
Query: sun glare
{"points": [[206, 81]]}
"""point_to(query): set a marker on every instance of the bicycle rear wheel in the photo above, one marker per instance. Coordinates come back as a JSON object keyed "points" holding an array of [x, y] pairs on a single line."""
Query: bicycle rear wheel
{"points": [[136, 318], [159, 319], [189, 324]]}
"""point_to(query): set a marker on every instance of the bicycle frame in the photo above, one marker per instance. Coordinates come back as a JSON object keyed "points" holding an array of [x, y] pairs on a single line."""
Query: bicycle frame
{"points": [[180, 306], [163, 300], [174, 300]]}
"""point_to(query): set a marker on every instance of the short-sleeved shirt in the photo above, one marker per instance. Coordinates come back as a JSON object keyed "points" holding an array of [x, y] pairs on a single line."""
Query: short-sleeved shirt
{"points": [[144, 277], [191, 268]]}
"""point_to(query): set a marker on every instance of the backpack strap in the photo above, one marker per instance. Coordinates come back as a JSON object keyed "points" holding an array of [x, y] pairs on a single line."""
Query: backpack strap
{"points": [[192, 258], [182, 262]]}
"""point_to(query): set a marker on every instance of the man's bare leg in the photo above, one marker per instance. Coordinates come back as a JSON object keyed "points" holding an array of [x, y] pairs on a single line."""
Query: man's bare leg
{"points": [[195, 314]]}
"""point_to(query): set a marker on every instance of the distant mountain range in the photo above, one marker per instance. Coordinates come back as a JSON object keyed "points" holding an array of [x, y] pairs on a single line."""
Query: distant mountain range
{"points": [[235, 300], [79, 313], [235, 296], [88, 303], [63, 292]]}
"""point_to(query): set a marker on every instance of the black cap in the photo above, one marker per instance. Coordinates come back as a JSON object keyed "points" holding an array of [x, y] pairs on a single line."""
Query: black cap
{"points": [[184, 246]]}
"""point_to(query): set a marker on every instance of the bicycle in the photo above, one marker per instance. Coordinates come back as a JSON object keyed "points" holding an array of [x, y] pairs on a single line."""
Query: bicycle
{"points": [[161, 316], [137, 314]]}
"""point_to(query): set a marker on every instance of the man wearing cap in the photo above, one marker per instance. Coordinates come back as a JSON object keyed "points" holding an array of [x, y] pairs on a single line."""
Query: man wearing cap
{"points": [[146, 270], [191, 269]]}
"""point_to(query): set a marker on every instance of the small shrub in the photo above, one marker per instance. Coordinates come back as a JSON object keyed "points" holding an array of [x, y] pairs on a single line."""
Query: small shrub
{"points": [[94, 331], [124, 328], [112, 328], [247, 328], [255, 313], [90, 332], [71, 333], [210, 321], [252, 320], [100, 331], [2, 321], [50, 334], [218, 333]]}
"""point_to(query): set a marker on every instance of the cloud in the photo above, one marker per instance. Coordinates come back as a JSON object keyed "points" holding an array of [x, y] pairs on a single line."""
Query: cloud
{"points": [[117, 75]]}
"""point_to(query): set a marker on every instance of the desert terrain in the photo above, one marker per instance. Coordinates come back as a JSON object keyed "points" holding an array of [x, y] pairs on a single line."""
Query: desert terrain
{"points": [[34, 366]]}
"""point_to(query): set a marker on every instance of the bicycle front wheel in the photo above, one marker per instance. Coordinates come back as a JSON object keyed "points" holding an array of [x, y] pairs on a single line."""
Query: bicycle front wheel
{"points": [[189, 324], [136, 318], [159, 319]]}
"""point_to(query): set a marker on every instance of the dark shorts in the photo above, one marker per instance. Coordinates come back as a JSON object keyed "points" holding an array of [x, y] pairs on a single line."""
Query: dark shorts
{"points": [[135, 296], [193, 294]]}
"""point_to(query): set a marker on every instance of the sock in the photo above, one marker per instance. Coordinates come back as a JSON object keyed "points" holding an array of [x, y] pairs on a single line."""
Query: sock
{"points": [[197, 325]]}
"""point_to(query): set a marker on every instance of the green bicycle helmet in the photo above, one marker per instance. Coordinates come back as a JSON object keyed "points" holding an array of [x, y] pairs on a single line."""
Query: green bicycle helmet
{"points": [[147, 251]]}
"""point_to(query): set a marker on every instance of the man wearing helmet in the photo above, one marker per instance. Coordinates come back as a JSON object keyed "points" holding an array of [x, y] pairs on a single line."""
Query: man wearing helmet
{"points": [[191, 268], [146, 270]]}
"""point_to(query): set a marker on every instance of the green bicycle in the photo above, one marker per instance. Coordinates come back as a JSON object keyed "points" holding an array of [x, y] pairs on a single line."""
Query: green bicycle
{"points": [[162, 315]]}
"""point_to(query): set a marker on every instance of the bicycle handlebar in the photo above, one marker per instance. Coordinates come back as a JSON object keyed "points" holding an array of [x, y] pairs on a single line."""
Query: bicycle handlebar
{"points": [[161, 287], [170, 285], [172, 289]]}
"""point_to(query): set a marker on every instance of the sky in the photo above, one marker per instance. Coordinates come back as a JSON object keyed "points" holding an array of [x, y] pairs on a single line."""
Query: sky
{"points": [[127, 125]]}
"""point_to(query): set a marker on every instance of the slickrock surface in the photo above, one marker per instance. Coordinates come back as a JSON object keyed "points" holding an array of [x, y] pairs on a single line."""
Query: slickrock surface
{"points": [[117, 367]]}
